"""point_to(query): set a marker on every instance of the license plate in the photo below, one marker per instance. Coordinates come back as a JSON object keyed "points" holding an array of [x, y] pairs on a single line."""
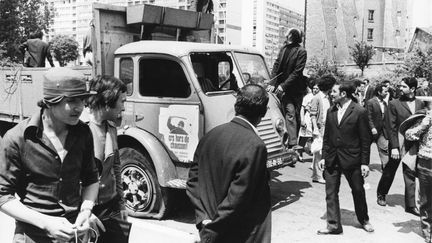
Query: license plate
{"points": [[274, 162]]}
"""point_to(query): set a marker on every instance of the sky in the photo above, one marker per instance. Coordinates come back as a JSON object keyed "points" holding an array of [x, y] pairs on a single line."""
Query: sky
{"points": [[296, 5]]}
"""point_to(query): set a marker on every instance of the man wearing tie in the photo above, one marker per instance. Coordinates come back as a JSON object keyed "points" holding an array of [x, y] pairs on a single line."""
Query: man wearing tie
{"points": [[346, 150], [398, 111], [377, 108]]}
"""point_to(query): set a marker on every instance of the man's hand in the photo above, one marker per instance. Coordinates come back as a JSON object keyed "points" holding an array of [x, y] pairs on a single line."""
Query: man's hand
{"points": [[270, 88], [82, 222], [59, 228], [123, 214], [365, 170], [205, 221], [95, 224], [395, 153], [374, 131], [321, 164], [426, 120], [316, 132], [279, 91]]}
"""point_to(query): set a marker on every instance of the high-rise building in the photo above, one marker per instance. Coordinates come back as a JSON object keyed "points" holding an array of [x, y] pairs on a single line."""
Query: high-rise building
{"points": [[270, 23], [256, 23], [333, 26]]}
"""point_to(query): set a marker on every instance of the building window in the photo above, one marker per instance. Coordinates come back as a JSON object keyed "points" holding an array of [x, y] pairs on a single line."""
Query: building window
{"points": [[371, 16], [370, 34]]}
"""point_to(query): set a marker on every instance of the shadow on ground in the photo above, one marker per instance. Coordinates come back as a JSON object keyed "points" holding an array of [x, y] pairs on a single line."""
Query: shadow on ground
{"points": [[285, 192], [375, 168], [395, 200], [409, 226], [183, 211], [348, 218]]}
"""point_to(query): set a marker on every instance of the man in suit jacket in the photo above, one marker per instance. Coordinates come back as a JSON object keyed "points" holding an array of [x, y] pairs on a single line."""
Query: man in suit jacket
{"points": [[369, 91], [346, 150], [398, 111], [288, 81], [228, 181], [377, 108], [35, 50]]}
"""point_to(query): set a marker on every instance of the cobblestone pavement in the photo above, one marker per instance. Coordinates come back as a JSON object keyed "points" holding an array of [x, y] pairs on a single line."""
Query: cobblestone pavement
{"points": [[299, 211]]}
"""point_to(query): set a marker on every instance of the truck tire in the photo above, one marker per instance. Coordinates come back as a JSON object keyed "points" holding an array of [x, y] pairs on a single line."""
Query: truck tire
{"points": [[143, 195]]}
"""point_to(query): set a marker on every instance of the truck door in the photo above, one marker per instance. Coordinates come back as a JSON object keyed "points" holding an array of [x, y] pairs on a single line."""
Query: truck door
{"points": [[166, 105]]}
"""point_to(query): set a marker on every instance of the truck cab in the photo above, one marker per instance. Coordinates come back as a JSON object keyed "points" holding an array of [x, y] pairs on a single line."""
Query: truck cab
{"points": [[177, 92]]}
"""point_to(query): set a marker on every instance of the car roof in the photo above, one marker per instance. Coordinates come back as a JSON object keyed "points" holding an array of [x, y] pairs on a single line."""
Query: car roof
{"points": [[178, 48]]}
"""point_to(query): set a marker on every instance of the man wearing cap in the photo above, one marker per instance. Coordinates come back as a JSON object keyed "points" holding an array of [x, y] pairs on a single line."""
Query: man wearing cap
{"points": [[48, 161]]}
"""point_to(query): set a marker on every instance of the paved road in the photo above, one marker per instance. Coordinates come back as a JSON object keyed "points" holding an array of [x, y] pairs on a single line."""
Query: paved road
{"points": [[298, 212]]}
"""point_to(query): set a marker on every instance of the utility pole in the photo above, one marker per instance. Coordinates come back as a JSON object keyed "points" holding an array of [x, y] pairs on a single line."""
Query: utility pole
{"points": [[305, 14]]}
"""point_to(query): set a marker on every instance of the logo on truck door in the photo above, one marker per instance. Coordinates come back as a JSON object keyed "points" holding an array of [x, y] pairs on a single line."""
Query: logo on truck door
{"points": [[179, 126]]}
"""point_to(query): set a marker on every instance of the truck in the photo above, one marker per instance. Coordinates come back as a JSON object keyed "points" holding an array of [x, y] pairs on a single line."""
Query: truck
{"points": [[177, 91]]}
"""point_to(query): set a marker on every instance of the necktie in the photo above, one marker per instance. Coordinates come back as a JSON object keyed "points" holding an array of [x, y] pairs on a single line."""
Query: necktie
{"points": [[385, 108]]}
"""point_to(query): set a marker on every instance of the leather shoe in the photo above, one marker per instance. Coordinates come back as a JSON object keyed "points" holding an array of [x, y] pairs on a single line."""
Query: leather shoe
{"points": [[329, 232], [381, 200], [413, 210], [368, 227]]}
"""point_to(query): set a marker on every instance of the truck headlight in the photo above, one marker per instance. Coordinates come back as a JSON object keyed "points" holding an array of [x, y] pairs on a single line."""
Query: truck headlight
{"points": [[280, 125]]}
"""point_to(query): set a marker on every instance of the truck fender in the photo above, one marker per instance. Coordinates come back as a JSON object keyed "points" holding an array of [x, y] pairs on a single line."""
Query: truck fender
{"points": [[163, 164]]}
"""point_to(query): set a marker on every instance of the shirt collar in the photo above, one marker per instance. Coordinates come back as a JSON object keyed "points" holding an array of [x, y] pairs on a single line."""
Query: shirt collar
{"points": [[345, 106], [34, 127], [250, 124]]}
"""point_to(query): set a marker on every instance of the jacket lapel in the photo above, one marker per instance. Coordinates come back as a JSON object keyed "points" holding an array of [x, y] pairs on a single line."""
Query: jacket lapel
{"points": [[418, 104], [405, 105], [377, 107], [348, 112], [291, 51]]}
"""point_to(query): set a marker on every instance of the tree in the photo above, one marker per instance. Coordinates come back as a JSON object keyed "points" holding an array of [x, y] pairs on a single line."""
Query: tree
{"points": [[19, 18], [362, 53], [417, 64], [317, 68], [65, 49]]}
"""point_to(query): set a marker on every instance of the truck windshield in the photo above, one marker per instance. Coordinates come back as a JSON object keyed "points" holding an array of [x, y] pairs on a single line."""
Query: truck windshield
{"points": [[216, 72], [252, 68]]}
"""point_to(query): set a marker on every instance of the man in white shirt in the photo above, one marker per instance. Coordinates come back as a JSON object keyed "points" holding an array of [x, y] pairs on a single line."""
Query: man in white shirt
{"points": [[346, 150]]}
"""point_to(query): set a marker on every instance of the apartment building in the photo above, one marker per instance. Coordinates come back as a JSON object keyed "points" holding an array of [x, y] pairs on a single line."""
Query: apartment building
{"points": [[333, 26], [256, 23]]}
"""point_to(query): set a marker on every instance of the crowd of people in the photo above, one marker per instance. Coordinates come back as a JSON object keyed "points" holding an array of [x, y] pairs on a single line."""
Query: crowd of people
{"points": [[79, 165], [337, 122], [60, 167]]}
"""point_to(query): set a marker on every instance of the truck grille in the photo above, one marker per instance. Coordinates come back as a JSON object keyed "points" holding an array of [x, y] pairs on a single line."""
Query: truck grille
{"points": [[269, 135]]}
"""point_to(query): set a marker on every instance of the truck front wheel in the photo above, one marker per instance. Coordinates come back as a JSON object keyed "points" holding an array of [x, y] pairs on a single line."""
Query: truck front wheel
{"points": [[141, 189]]}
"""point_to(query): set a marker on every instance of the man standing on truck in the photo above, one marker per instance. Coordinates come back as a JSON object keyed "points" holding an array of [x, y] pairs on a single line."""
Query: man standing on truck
{"points": [[288, 81], [48, 161], [228, 180], [35, 50]]}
